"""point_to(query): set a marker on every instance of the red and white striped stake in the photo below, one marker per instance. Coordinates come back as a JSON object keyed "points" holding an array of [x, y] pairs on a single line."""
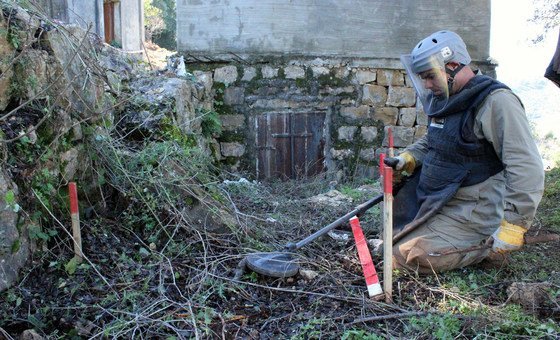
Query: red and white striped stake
{"points": [[75, 215], [388, 233], [370, 274]]}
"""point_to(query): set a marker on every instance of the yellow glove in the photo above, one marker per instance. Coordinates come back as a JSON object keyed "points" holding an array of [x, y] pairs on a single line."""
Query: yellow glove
{"points": [[405, 161], [508, 237]]}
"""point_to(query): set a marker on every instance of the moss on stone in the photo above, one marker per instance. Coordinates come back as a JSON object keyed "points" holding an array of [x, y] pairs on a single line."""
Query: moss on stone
{"points": [[231, 136]]}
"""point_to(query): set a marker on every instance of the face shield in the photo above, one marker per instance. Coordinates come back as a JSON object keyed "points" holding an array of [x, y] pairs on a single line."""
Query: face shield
{"points": [[429, 79]]}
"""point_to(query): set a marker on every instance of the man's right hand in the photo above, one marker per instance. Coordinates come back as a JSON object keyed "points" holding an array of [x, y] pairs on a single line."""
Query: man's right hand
{"points": [[405, 161]]}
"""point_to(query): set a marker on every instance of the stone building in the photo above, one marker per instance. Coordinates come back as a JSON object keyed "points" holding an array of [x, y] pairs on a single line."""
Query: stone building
{"points": [[119, 22], [312, 86]]}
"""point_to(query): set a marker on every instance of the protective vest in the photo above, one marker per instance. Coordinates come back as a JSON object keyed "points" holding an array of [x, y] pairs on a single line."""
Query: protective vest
{"points": [[456, 157]]}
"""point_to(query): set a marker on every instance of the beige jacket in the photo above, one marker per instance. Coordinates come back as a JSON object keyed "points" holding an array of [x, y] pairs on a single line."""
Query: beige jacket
{"points": [[513, 194]]}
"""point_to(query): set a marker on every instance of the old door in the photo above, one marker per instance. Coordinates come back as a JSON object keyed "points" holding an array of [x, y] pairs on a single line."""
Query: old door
{"points": [[290, 145], [109, 20]]}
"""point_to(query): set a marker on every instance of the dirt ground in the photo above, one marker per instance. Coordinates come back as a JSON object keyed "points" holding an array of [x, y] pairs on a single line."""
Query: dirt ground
{"points": [[186, 288], [156, 56]]}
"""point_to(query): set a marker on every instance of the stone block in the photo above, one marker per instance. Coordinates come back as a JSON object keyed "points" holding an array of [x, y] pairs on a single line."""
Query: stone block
{"points": [[269, 72], [70, 162], [367, 154], [360, 112], [232, 149], [294, 72], [346, 133], [226, 74], [400, 96], [341, 154], [390, 78], [5, 85], [374, 95], [319, 71], [249, 73], [365, 76], [387, 115], [205, 78], [275, 104], [234, 96], [337, 90], [421, 116], [419, 131], [369, 133], [366, 171], [407, 116], [402, 136], [342, 72], [232, 122]]}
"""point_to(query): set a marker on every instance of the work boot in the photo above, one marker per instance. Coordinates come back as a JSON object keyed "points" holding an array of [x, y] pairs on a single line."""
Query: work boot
{"points": [[494, 261]]}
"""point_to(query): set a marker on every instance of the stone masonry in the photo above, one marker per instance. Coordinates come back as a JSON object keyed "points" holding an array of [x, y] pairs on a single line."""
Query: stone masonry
{"points": [[361, 103]]}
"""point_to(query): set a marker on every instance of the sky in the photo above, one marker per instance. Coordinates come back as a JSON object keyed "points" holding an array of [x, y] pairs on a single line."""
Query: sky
{"points": [[522, 63]]}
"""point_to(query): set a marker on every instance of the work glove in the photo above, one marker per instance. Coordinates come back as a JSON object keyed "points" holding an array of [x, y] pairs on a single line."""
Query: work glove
{"points": [[405, 162], [508, 237]]}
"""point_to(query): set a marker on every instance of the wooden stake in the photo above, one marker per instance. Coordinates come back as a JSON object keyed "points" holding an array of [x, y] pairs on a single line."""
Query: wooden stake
{"points": [[75, 215], [388, 233]]}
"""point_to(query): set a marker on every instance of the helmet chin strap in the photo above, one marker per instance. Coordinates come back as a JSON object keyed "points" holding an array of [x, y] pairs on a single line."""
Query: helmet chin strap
{"points": [[452, 74]]}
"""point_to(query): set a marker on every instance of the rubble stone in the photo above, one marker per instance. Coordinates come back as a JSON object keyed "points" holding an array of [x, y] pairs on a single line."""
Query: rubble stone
{"points": [[226, 75]]}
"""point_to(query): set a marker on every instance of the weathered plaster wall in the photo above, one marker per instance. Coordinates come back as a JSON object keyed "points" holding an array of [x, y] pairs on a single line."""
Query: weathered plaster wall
{"points": [[128, 20], [348, 28], [132, 24], [85, 13]]}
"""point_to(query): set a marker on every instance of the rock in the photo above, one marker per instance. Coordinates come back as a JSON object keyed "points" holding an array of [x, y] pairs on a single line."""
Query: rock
{"points": [[347, 133], [360, 112], [226, 75], [374, 95], [376, 246], [339, 236], [294, 72], [332, 198], [369, 133], [69, 80], [269, 72], [249, 73], [308, 274], [401, 96], [532, 296], [71, 164], [232, 149], [14, 246], [30, 334], [365, 76]]}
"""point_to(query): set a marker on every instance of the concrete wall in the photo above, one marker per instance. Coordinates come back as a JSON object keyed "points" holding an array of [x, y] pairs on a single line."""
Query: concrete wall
{"points": [[347, 28], [85, 13], [129, 18], [132, 24]]}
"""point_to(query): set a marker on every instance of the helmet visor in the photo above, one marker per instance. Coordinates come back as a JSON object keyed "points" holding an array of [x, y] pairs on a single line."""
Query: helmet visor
{"points": [[429, 80]]}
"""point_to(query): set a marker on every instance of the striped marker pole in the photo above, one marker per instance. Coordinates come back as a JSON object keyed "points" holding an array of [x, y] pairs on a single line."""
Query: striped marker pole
{"points": [[75, 215], [372, 280], [388, 233]]}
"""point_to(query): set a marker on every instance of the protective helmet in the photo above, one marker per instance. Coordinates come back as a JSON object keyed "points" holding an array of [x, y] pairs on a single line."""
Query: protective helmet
{"points": [[445, 45]]}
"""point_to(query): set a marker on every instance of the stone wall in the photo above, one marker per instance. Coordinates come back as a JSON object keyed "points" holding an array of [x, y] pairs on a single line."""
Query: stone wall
{"points": [[361, 102]]}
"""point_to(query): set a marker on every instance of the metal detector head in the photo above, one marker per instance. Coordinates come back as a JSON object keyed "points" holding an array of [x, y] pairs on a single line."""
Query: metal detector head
{"points": [[276, 264]]}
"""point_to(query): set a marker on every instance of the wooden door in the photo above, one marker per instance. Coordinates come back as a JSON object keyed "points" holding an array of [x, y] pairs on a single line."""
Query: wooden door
{"points": [[290, 145], [109, 21]]}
